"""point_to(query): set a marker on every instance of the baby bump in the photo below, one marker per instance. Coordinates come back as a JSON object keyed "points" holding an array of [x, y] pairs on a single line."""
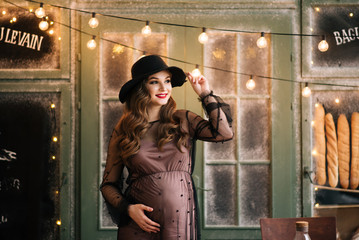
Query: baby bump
{"points": [[168, 193]]}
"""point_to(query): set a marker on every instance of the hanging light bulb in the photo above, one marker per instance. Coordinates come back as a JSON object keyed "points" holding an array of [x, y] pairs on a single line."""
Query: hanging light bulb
{"points": [[143, 55], [196, 72], [306, 92], [93, 23], [92, 43], [337, 100], [251, 84], [314, 152], [43, 25], [3, 12], [262, 41], [40, 12], [323, 45], [203, 37], [14, 19], [146, 30], [51, 31]]}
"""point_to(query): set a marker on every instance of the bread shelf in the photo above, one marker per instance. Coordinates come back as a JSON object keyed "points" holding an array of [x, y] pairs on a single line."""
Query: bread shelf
{"points": [[335, 206], [335, 189]]}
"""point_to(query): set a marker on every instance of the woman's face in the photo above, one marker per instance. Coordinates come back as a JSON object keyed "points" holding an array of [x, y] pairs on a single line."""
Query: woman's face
{"points": [[159, 87]]}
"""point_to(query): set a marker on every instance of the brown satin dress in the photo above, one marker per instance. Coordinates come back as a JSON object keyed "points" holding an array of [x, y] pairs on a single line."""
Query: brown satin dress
{"points": [[162, 180]]}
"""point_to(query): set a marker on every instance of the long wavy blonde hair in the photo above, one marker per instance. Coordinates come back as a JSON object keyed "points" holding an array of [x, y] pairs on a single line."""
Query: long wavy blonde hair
{"points": [[134, 124]]}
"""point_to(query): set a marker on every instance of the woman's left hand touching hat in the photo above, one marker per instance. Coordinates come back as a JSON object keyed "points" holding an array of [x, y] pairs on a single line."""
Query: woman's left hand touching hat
{"points": [[199, 84]]}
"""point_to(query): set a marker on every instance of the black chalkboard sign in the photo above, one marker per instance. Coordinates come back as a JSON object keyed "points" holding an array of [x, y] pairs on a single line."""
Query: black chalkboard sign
{"points": [[340, 26], [29, 167], [23, 45]]}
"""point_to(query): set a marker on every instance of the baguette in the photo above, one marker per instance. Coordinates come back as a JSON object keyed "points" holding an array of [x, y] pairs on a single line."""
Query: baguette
{"points": [[354, 171], [332, 150], [319, 136], [343, 150]]}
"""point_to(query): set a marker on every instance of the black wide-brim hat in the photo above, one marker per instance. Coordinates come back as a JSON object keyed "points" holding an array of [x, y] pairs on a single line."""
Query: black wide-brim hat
{"points": [[147, 66]]}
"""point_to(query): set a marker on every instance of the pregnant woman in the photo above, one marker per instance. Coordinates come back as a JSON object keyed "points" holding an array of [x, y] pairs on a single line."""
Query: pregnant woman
{"points": [[153, 140]]}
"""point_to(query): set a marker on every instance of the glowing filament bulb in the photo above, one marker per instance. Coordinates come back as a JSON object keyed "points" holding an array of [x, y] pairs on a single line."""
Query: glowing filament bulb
{"points": [[203, 37], [53, 157], [314, 152], [40, 12], [323, 45], [251, 84], [3, 12], [43, 25], [58, 222], [93, 23], [143, 55], [52, 105], [14, 19], [92, 43], [337, 101], [146, 30], [31, 10], [196, 72], [316, 205], [54, 139], [306, 92], [51, 31], [262, 41], [316, 105]]}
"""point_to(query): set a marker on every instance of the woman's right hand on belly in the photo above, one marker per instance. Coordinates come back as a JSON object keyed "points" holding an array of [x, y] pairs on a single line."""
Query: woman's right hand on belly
{"points": [[137, 213]]}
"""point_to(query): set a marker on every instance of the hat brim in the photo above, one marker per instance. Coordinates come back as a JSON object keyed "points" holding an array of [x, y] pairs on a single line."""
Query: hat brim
{"points": [[178, 79]]}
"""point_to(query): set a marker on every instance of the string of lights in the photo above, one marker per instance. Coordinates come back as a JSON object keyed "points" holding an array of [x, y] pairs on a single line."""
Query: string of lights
{"points": [[203, 38], [174, 24]]}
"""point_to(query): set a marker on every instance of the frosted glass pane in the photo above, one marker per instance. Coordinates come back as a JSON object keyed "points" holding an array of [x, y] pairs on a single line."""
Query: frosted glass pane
{"points": [[221, 200], [254, 129], [254, 189], [226, 150], [255, 61], [156, 43], [116, 62], [220, 52], [111, 113], [106, 218]]}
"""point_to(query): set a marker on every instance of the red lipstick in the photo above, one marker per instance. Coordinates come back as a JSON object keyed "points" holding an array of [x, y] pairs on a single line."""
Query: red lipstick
{"points": [[161, 95]]}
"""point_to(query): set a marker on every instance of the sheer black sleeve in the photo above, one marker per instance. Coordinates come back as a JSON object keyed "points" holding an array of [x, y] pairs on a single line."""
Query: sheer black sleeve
{"points": [[112, 184], [218, 127]]}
